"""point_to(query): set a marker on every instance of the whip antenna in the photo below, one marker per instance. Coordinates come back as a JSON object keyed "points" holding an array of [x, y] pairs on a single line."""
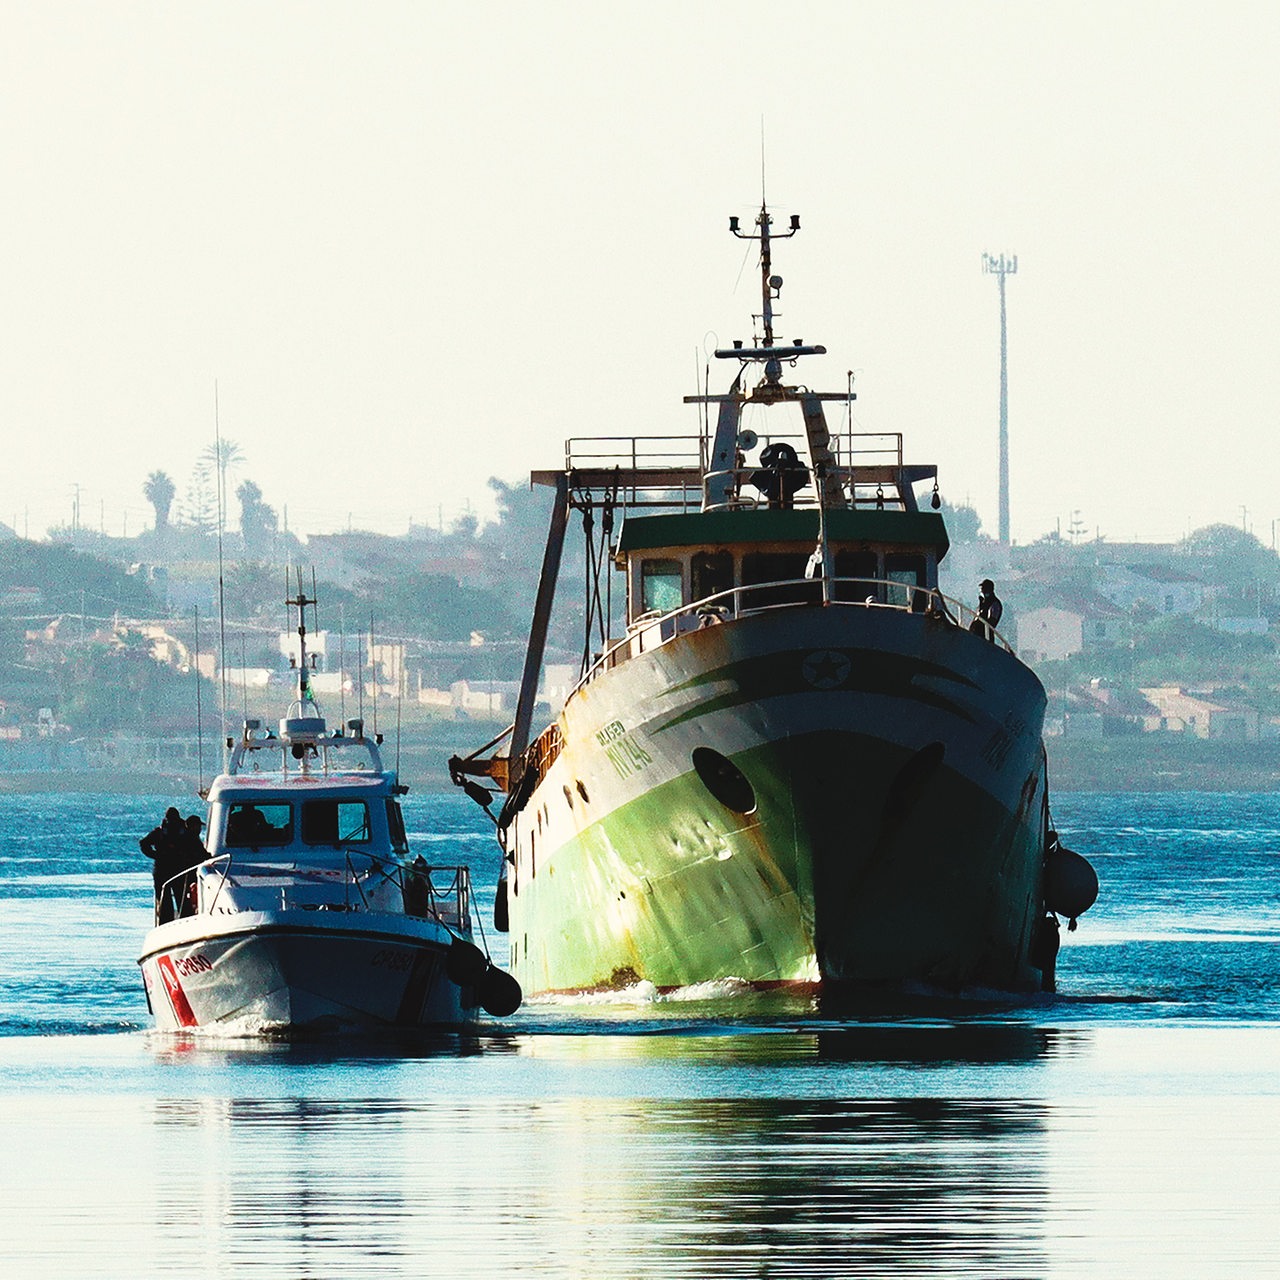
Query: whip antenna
{"points": [[199, 715], [220, 489]]}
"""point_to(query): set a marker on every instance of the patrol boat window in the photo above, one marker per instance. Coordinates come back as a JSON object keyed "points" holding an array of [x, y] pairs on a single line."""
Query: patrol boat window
{"points": [[335, 822], [257, 826], [395, 821]]}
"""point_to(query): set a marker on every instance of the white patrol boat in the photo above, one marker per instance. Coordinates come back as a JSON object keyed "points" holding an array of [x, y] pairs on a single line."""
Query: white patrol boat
{"points": [[309, 913]]}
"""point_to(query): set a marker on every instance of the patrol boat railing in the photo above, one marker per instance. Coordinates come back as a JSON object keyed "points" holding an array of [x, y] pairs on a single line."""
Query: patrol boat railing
{"points": [[229, 883]]}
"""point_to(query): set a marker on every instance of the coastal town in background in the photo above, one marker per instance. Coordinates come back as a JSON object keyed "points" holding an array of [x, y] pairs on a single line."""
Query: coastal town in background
{"points": [[124, 655]]}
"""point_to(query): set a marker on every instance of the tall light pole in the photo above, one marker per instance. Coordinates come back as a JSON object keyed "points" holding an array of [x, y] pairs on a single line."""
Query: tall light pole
{"points": [[1001, 267]]}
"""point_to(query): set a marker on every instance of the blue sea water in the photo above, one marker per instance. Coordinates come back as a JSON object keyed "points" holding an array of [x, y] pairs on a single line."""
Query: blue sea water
{"points": [[1126, 1126]]}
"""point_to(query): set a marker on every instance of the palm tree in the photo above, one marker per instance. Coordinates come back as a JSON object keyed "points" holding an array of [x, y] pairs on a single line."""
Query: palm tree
{"points": [[159, 490], [224, 455]]}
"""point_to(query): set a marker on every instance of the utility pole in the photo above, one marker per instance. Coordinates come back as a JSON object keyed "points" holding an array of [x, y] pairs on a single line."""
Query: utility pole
{"points": [[1001, 267]]}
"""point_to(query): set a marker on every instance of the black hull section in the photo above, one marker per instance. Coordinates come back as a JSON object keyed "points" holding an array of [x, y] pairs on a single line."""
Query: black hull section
{"points": [[918, 874]]}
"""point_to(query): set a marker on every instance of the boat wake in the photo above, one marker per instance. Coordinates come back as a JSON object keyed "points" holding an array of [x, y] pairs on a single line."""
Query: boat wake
{"points": [[249, 1027], [645, 994]]}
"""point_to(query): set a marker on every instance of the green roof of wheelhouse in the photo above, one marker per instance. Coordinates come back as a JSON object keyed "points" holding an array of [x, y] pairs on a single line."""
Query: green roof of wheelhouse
{"points": [[700, 529]]}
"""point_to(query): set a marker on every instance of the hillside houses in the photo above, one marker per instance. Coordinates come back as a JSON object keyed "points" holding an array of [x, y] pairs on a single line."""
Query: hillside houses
{"points": [[1100, 710], [1103, 710], [1073, 599], [1136, 637], [1210, 715], [1074, 624], [1152, 589]]}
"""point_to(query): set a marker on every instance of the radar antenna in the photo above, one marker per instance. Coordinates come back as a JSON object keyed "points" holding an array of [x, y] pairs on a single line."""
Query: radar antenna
{"points": [[306, 696]]}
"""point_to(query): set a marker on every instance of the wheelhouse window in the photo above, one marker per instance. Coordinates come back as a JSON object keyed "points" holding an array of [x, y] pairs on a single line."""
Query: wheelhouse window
{"points": [[661, 586], [905, 572], [712, 573], [786, 567], [863, 568], [335, 822], [259, 826], [395, 823]]}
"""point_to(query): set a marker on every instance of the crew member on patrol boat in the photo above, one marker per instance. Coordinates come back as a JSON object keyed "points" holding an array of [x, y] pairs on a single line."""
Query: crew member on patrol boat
{"points": [[191, 854], [163, 846]]}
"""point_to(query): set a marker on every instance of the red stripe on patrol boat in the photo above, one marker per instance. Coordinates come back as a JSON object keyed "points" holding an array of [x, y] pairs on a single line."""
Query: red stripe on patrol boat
{"points": [[177, 997]]}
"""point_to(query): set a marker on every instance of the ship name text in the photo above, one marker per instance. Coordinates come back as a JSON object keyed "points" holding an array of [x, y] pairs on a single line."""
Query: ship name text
{"points": [[626, 755]]}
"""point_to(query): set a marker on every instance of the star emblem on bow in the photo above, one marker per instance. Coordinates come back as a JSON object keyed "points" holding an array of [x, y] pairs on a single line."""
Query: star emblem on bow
{"points": [[826, 669]]}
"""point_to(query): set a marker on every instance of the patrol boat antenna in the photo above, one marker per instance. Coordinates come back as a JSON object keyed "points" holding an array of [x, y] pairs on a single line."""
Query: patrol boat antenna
{"points": [[304, 725], [300, 602]]}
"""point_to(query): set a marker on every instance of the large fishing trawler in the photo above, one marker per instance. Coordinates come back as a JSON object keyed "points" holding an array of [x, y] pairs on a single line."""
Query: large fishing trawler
{"points": [[801, 764]]}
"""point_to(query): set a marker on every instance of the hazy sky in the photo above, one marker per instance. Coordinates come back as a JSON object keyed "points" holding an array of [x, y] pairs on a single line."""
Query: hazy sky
{"points": [[419, 244]]}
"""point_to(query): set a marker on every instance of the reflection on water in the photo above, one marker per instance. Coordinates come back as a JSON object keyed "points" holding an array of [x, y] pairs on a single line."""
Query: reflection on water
{"points": [[604, 1187], [717, 1043], [998, 1150], [796, 1044]]}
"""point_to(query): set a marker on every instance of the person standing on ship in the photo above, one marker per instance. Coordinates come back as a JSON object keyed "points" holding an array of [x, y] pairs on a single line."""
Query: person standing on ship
{"points": [[989, 610]]}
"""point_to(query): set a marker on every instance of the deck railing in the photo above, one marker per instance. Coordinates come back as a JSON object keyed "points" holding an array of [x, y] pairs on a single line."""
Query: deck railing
{"points": [[652, 630], [366, 882], [869, 448], [673, 470], [634, 453]]}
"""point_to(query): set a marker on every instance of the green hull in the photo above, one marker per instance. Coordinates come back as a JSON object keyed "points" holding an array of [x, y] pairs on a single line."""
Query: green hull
{"points": [[892, 828]]}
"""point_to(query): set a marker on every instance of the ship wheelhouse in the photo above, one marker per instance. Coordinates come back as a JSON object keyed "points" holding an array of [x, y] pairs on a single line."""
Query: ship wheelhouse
{"points": [[737, 561], [356, 814]]}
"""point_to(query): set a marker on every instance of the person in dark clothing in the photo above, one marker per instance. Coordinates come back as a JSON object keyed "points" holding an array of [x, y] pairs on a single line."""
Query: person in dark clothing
{"points": [[193, 841], [163, 846], [989, 610], [417, 888], [191, 853]]}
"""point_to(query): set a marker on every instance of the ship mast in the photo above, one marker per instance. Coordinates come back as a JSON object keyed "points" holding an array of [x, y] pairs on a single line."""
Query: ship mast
{"points": [[766, 352], [768, 282], [721, 479]]}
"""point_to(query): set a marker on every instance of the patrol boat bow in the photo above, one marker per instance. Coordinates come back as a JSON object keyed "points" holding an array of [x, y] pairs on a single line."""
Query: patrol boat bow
{"points": [[799, 765], [310, 913]]}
